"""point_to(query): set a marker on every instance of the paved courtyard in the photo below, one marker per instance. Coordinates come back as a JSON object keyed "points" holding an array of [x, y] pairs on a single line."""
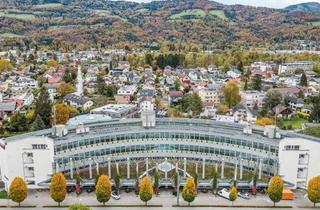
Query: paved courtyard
{"points": [[166, 199]]}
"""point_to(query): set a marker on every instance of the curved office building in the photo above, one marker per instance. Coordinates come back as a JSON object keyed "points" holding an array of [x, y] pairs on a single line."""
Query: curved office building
{"points": [[99, 143]]}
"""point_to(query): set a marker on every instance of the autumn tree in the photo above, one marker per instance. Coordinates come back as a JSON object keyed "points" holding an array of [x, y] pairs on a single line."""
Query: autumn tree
{"points": [[43, 106], [146, 189], [58, 188], [189, 191], [233, 194], [231, 94], [5, 65], [275, 189], [18, 190], [63, 113], [313, 190], [65, 88], [52, 63], [103, 189], [264, 121]]}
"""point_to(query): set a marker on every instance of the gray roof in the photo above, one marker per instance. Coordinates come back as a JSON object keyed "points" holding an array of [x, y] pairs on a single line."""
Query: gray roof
{"points": [[76, 99], [8, 106]]}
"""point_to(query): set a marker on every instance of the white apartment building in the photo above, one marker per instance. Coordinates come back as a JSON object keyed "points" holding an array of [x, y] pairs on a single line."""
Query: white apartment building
{"points": [[127, 90], [252, 98], [299, 160], [211, 95], [31, 159], [290, 68]]}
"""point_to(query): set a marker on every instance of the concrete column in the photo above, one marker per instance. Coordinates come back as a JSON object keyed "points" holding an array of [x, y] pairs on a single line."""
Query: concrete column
{"points": [[117, 167], [196, 167], [97, 167], [109, 167], [241, 169], [203, 168], [260, 169], [57, 167], [216, 167], [166, 173], [222, 169], [128, 168], [275, 168], [147, 166], [185, 167], [235, 172], [137, 169], [90, 168], [71, 168], [177, 171]]}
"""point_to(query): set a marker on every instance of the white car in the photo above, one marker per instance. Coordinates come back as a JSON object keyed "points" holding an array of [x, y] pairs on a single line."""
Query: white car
{"points": [[115, 195], [224, 193], [244, 195]]}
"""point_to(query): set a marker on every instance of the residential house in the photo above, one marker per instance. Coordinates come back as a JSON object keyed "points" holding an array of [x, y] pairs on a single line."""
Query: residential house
{"points": [[80, 102], [252, 98]]}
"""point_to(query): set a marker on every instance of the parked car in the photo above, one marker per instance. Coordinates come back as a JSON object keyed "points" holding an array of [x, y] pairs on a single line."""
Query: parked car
{"points": [[244, 195], [224, 193], [115, 195]]}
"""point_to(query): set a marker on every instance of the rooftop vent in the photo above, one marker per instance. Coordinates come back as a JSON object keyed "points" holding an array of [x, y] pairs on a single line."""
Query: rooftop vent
{"points": [[82, 129], [59, 130]]}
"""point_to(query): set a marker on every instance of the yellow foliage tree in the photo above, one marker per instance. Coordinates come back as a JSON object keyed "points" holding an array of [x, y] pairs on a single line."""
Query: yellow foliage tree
{"points": [[18, 190], [103, 189], [275, 189], [5, 65], [52, 63], [313, 190], [65, 88], [233, 194], [264, 121], [58, 188], [189, 191], [231, 94], [64, 112], [146, 189]]}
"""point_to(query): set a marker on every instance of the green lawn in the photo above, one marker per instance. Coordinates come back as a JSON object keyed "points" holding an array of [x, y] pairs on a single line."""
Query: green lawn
{"points": [[48, 6], [219, 13], [295, 122], [3, 195], [315, 23], [189, 14], [11, 35], [18, 16]]}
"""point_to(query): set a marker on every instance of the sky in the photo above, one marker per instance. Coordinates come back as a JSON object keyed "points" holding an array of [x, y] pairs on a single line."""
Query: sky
{"points": [[261, 3]]}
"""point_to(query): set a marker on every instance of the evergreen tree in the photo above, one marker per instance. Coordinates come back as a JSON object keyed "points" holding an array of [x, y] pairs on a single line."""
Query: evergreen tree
{"points": [[117, 180], [18, 190], [315, 114], [38, 124], [214, 181], [257, 83], [43, 107], [303, 80]]}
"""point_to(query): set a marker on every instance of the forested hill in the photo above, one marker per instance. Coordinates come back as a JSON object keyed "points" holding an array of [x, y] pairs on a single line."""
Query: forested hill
{"points": [[204, 23]]}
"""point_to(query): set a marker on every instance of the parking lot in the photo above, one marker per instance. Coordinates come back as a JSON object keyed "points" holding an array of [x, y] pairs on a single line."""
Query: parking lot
{"points": [[166, 199]]}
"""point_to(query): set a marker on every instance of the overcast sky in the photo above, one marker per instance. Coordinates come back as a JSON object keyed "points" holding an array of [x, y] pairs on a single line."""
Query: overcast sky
{"points": [[263, 3]]}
